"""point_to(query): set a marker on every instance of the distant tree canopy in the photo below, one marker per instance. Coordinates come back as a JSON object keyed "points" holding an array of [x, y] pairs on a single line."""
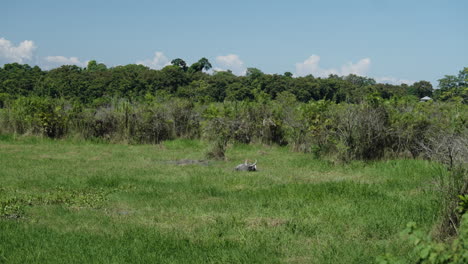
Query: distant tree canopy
{"points": [[454, 87], [202, 64], [97, 81], [421, 89], [180, 63]]}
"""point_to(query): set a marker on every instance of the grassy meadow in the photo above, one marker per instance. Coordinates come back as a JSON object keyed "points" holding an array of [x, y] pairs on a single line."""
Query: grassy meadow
{"points": [[68, 201]]}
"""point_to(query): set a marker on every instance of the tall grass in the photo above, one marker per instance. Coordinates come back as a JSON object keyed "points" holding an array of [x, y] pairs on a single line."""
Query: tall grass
{"points": [[131, 203]]}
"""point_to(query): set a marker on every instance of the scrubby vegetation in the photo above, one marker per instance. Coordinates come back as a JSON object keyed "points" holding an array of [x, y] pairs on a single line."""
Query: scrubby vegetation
{"points": [[371, 130], [428, 251]]}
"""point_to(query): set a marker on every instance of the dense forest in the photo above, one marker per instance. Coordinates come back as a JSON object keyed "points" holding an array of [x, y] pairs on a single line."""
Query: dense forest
{"points": [[97, 84]]}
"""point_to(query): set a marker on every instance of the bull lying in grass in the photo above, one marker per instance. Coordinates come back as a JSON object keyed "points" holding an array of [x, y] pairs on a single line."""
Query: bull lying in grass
{"points": [[246, 166]]}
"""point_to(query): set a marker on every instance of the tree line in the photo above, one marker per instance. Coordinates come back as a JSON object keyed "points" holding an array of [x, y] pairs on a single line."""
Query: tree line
{"points": [[97, 83]]}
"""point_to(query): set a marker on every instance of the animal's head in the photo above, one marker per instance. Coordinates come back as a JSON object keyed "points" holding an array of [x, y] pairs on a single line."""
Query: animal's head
{"points": [[246, 166], [253, 166]]}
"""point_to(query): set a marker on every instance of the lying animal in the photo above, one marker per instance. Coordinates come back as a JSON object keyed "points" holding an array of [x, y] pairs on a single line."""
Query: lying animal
{"points": [[246, 166]]}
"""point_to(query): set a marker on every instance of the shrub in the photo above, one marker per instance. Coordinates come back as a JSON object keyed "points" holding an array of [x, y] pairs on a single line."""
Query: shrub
{"points": [[361, 131], [103, 123], [152, 125], [4, 99], [410, 122], [428, 251], [452, 187], [38, 115], [218, 130], [185, 118]]}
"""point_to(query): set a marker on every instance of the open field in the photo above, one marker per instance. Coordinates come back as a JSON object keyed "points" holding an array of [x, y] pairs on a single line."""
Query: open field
{"points": [[84, 202]]}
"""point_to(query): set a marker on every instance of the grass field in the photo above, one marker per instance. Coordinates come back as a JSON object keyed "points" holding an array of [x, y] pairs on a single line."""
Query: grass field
{"points": [[83, 202]]}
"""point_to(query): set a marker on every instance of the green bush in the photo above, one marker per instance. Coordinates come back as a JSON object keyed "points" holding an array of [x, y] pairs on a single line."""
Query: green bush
{"points": [[361, 131], [218, 130], [185, 119], [151, 125], [36, 115], [428, 251]]}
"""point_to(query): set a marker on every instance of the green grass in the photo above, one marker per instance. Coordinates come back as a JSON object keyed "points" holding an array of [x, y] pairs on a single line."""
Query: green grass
{"points": [[81, 202]]}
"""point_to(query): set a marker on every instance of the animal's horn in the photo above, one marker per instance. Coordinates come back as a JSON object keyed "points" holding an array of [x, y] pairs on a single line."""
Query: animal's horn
{"points": [[245, 162], [255, 163]]}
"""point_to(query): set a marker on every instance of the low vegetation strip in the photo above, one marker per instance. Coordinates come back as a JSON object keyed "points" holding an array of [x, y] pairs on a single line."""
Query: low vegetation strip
{"points": [[82, 202]]}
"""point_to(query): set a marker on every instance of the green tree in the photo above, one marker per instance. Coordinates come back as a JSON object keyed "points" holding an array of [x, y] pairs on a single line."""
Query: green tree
{"points": [[238, 92], [288, 74], [197, 90], [19, 79], [172, 77], [180, 63], [66, 82], [275, 84], [127, 81], [454, 87], [93, 66], [305, 88], [219, 82], [254, 73], [421, 89], [359, 81], [200, 65]]}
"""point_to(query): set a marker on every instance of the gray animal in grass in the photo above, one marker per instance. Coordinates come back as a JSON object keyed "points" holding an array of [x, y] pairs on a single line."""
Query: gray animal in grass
{"points": [[246, 166]]}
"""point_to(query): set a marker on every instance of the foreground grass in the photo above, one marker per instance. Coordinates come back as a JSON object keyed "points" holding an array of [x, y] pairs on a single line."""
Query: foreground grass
{"points": [[83, 202]]}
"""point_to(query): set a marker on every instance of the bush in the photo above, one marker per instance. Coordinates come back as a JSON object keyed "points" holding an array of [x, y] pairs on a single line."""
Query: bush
{"points": [[152, 125], [36, 115], [185, 118], [428, 251], [218, 130], [4, 99], [361, 131], [410, 122], [452, 186]]}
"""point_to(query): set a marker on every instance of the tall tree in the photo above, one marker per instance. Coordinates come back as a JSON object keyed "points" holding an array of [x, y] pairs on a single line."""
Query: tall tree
{"points": [[180, 63], [66, 81], [200, 65], [288, 74], [19, 79], [359, 81], [421, 89], [93, 66], [454, 87]]}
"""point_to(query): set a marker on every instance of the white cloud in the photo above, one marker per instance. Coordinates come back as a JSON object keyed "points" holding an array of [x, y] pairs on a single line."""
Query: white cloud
{"points": [[231, 62], [11, 53], [61, 60], [51, 62], [311, 66], [393, 80], [158, 62], [360, 68]]}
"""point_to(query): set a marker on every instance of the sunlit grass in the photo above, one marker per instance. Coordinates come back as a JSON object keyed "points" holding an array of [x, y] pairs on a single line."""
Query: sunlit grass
{"points": [[295, 209]]}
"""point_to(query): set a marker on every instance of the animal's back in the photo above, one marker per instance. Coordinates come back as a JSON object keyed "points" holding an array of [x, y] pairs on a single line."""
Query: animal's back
{"points": [[241, 167]]}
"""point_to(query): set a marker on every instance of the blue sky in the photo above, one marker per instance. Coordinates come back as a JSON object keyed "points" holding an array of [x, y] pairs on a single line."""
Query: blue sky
{"points": [[392, 41]]}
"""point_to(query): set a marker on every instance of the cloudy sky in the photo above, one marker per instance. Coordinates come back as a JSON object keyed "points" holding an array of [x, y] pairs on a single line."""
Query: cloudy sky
{"points": [[390, 40]]}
